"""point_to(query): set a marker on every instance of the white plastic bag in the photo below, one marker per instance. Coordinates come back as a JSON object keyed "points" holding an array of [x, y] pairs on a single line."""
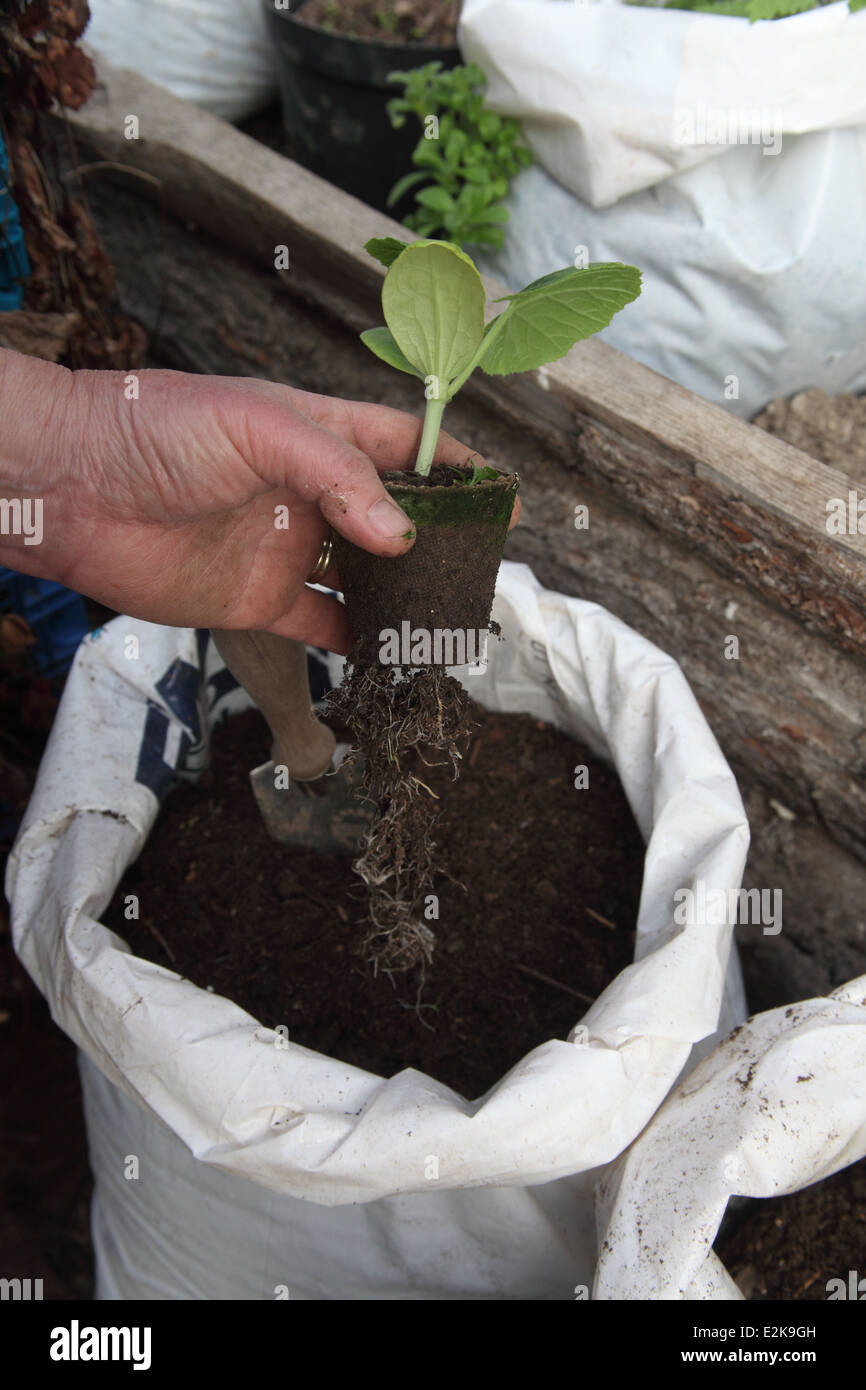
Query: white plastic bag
{"points": [[751, 249], [780, 1104], [191, 1082], [215, 53]]}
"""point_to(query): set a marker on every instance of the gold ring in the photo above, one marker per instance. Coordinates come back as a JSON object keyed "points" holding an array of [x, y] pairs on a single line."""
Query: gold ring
{"points": [[323, 561]]}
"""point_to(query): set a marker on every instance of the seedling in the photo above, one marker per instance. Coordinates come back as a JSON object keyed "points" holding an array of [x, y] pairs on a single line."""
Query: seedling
{"points": [[433, 300], [753, 10], [466, 155]]}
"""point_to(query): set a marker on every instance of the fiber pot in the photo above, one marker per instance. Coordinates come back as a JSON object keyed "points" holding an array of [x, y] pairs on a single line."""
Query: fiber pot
{"points": [[267, 1170], [334, 90], [446, 580]]}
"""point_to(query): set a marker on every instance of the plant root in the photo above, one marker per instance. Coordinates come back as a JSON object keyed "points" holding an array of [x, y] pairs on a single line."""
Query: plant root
{"points": [[395, 716]]}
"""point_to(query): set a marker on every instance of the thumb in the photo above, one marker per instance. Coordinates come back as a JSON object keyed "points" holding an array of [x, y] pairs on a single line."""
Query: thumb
{"points": [[344, 483]]}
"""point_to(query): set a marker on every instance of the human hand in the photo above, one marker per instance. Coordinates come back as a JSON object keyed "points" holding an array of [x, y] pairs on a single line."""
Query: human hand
{"points": [[164, 507]]}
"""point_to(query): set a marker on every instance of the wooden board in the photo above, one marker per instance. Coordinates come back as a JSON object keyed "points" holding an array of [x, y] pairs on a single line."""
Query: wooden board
{"points": [[684, 498], [788, 713], [753, 505]]}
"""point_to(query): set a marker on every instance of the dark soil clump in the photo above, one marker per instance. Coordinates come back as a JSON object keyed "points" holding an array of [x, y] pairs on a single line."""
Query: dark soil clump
{"points": [[544, 922], [789, 1248], [389, 21]]}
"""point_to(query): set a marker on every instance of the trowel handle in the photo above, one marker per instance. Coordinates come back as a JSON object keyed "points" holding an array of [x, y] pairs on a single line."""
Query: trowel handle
{"points": [[273, 670]]}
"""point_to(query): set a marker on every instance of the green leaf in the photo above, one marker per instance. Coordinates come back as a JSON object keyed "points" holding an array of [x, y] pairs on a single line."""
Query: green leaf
{"points": [[385, 248], [855, 5], [380, 341], [546, 319], [433, 300], [495, 213], [436, 199], [402, 186], [488, 125], [777, 9], [480, 475]]}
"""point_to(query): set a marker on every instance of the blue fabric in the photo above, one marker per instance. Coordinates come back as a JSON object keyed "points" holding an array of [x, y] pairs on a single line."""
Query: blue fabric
{"points": [[56, 615], [14, 264]]}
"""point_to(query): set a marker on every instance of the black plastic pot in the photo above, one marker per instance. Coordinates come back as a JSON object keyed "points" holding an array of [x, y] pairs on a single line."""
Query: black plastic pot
{"points": [[334, 91]]}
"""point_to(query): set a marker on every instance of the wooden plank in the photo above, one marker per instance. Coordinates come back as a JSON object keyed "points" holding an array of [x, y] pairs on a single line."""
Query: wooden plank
{"points": [[748, 502], [789, 712], [661, 551]]}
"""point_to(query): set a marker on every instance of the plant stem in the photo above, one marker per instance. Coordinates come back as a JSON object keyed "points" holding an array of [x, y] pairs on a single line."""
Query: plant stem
{"points": [[430, 436]]}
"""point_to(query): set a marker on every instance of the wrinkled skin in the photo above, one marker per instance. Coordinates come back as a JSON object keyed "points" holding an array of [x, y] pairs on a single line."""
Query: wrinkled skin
{"points": [[164, 507]]}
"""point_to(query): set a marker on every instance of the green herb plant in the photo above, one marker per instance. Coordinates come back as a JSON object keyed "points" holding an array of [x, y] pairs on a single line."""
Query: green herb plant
{"points": [[433, 301], [753, 10], [466, 155]]}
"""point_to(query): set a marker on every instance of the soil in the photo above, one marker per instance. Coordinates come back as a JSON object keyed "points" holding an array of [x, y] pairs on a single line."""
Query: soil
{"points": [[545, 922], [432, 22], [830, 428], [45, 1182], [788, 1248]]}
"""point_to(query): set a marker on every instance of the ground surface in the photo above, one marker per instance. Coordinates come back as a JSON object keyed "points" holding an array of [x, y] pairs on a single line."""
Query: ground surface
{"points": [[45, 1182], [830, 428]]}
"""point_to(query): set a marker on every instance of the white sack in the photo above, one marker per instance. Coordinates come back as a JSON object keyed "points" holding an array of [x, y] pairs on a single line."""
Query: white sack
{"points": [[215, 53], [601, 89], [752, 259], [778, 1105], [308, 1126]]}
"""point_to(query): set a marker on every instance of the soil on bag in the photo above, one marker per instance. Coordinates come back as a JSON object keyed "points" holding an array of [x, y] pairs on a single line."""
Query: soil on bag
{"points": [[788, 1248], [390, 21], [553, 876]]}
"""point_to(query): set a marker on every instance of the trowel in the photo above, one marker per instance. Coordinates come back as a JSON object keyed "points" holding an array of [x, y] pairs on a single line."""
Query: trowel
{"points": [[306, 793]]}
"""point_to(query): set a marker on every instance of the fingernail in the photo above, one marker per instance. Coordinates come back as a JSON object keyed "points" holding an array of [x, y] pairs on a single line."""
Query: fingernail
{"points": [[389, 519]]}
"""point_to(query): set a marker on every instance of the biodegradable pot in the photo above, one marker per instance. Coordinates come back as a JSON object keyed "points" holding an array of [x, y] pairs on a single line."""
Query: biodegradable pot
{"points": [[448, 577], [334, 91]]}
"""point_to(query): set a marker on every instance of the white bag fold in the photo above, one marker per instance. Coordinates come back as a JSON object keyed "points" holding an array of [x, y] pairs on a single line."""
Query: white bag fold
{"points": [[311, 1126]]}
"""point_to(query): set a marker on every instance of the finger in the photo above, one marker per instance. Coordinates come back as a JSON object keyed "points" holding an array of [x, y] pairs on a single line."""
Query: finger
{"points": [[330, 578], [291, 450], [391, 437], [318, 620]]}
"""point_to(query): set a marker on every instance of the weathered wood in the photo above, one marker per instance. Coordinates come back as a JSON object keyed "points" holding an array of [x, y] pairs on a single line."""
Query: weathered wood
{"points": [[39, 335], [750, 503], [789, 713], [735, 518]]}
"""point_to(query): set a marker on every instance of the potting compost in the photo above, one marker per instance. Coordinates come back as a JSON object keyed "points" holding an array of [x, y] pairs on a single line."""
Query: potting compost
{"points": [[792, 1247], [545, 920]]}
